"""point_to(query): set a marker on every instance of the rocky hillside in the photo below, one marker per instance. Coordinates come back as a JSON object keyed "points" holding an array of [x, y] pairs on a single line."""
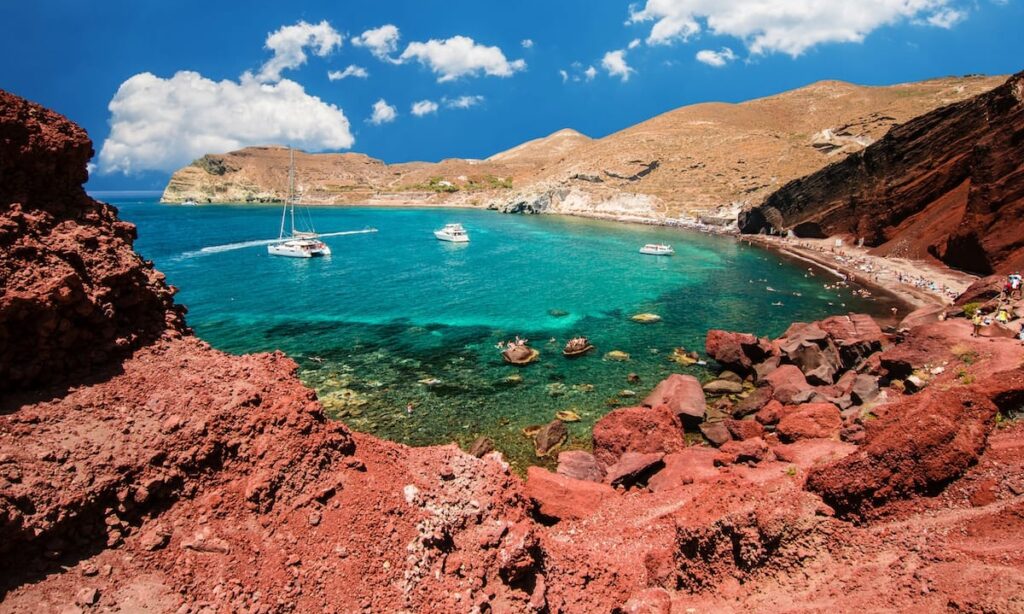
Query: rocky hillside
{"points": [[845, 469], [948, 185], [688, 162], [73, 294]]}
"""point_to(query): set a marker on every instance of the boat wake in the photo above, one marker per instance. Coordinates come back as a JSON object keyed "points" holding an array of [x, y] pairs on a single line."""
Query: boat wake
{"points": [[216, 249]]}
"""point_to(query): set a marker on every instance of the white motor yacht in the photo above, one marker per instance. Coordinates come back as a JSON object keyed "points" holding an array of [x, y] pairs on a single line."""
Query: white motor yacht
{"points": [[452, 232], [190, 203], [297, 244], [657, 249]]}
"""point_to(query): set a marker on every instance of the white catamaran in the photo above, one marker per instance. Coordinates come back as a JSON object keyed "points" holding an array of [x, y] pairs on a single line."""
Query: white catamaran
{"points": [[299, 243]]}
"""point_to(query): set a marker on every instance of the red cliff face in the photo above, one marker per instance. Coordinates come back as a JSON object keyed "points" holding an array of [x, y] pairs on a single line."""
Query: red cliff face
{"points": [[947, 185], [73, 294]]}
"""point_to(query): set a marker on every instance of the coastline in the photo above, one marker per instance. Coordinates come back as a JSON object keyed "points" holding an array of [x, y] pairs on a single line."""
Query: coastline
{"points": [[883, 275]]}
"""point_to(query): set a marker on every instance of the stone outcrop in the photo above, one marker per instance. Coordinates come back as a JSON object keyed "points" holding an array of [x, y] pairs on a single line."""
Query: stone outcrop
{"points": [[73, 294], [947, 185]]}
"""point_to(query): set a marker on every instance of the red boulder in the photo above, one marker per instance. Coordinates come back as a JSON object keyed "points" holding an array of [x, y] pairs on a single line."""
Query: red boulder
{"points": [[683, 395], [563, 498], [810, 421], [789, 385], [637, 429]]}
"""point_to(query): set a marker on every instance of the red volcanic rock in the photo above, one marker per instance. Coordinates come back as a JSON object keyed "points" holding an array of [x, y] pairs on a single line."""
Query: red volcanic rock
{"points": [[737, 352], [580, 465], [924, 315], [682, 393], [856, 336], [650, 601], [73, 294], [921, 443], [564, 498], [715, 432], [771, 413], [757, 399], [693, 464], [789, 385], [810, 421], [637, 429], [747, 451], [946, 185], [982, 290], [744, 429], [808, 453], [634, 468]]}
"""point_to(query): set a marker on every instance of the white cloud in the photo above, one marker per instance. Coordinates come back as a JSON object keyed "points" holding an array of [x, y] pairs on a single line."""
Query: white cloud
{"points": [[946, 18], [590, 73], [289, 43], [381, 41], [633, 44], [717, 59], [460, 56], [784, 26], [564, 74], [615, 63], [163, 124], [527, 43], [423, 107], [383, 113], [463, 102], [350, 71]]}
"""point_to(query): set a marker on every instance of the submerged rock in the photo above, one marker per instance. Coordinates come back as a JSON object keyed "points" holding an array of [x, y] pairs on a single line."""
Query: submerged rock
{"points": [[617, 355], [549, 437], [481, 447], [646, 318]]}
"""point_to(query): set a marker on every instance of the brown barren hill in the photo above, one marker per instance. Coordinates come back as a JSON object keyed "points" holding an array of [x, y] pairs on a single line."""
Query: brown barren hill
{"points": [[948, 185], [705, 160]]}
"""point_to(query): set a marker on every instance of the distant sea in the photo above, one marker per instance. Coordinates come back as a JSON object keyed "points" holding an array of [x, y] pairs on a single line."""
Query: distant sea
{"points": [[397, 319]]}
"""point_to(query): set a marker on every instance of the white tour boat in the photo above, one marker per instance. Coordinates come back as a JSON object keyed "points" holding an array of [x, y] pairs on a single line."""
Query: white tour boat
{"points": [[657, 249], [452, 232], [190, 203], [297, 243]]}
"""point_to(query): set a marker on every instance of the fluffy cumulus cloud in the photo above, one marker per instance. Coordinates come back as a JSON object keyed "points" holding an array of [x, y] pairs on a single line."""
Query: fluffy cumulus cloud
{"points": [[381, 42], [784, 26], [463, 102], [163, 124], [289, 44], [350, 71], [527, 43], [717, 59], [461, 56], [423, 107], [633, 44], [383, 113], [590, 73], [615, 63], [564, 74]]}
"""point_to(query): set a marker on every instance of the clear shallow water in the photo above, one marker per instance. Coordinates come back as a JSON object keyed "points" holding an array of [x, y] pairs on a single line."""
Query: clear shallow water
{"points": [[390, 309]]}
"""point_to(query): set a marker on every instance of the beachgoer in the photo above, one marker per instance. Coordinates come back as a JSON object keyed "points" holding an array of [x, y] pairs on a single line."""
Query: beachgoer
{"points": [[976, 321], [408, 408], [1020, 335], [1004, 316]]}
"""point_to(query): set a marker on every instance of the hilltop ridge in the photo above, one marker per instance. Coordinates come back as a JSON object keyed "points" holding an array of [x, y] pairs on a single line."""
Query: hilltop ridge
{"points": [[687, 162]]}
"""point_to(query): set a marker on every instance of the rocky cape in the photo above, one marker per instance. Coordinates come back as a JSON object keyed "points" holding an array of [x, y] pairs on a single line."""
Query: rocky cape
{"points": [[947, 186], [842, 467], [700, 162]]}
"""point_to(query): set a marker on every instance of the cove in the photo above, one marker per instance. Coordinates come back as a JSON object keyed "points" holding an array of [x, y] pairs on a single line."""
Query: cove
{"points": [[395, 318]]}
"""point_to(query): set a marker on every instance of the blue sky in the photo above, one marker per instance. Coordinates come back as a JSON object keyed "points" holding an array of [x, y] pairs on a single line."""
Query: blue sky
{"points": [[491, 90]]}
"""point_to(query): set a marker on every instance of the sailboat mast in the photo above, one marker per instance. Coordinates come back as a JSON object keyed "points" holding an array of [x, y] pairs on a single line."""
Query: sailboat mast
{"points": [[291, 186]]}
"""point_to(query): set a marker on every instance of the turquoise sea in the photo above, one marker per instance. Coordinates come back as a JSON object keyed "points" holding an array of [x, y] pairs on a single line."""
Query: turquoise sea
{"points": [[393, 309]]}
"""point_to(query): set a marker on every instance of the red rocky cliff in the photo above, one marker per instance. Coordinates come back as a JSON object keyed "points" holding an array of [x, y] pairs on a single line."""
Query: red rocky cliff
{"points": [[73, 294], [947, 185]]}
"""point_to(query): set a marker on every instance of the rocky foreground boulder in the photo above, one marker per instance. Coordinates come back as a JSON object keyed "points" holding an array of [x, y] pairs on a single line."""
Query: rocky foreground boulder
{"points": [[175, 478]]}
